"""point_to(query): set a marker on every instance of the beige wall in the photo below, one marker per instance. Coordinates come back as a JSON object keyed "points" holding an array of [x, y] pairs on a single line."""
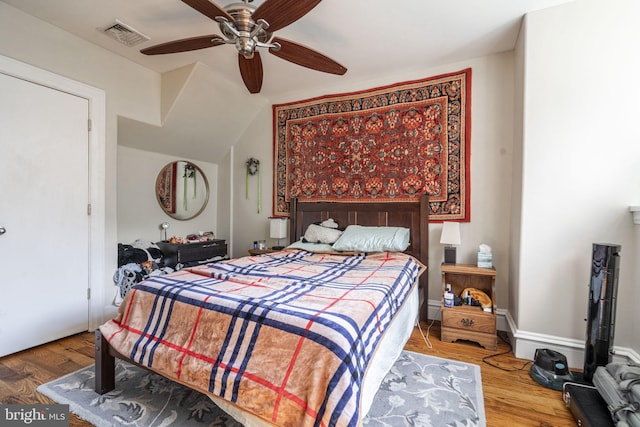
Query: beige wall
{"points": [[491, 159], [516, 180], [553, 157], [580, 163], [140, 215], [249, 225], [131, 91]]}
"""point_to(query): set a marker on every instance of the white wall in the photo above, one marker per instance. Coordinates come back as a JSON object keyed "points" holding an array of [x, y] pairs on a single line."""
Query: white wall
{"points": [[581, 157], [140, 215], [516, 178], [491, 159], [134, 92], [131, 91], [224, 206], [572, 118], [248, 223]]}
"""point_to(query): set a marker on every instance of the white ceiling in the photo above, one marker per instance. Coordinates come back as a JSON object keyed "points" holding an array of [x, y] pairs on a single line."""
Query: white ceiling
{"points": [[371, 38]]}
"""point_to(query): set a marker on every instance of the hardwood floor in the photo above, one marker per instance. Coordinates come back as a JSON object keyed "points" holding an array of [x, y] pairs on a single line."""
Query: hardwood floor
{"points": [[511, 397], [21, 373]]}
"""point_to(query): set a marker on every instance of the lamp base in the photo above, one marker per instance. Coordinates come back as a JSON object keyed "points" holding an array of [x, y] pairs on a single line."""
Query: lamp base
{"points": [[450, 255]]}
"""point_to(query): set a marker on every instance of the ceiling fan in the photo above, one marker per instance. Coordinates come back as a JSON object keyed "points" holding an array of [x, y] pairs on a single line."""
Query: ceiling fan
{"points": [[249, 28]]}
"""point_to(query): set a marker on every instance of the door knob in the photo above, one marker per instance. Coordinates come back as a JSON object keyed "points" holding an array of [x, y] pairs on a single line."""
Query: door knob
{"points": [[2, 230]]}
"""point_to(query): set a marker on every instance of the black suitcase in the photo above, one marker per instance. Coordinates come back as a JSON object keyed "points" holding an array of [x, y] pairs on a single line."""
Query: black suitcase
{"points": [[586, 405]]}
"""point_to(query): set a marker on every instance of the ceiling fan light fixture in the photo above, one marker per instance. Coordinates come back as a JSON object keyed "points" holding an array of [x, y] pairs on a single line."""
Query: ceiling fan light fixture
{"points": [[245, 26], [243, 32], [245, 46]]}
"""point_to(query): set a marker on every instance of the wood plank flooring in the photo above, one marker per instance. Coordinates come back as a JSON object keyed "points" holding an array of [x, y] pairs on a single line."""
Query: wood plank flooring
{"points": [[511, 397]]}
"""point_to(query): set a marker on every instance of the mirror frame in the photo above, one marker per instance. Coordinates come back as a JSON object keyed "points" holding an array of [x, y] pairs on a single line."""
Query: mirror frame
{"points": [[158, 185]]}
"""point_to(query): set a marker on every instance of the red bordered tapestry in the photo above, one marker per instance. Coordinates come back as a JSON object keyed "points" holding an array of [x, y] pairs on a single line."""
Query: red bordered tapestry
{"points": [[386, 144]]}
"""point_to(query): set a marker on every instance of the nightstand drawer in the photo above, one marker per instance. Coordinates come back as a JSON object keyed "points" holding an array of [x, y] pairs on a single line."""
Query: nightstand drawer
{"points": [[200, 251], [469, 318], [254, 252]]}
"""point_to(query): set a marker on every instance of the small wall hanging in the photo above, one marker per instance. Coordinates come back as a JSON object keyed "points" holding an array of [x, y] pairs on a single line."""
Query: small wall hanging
{"points": [[253, 168]]}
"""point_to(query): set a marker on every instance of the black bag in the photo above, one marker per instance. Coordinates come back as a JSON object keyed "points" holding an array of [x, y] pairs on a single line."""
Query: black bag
{"points": [[586, 405]]}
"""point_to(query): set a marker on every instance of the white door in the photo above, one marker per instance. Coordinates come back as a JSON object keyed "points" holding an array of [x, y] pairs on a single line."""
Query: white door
{"points": [[44, 245]]}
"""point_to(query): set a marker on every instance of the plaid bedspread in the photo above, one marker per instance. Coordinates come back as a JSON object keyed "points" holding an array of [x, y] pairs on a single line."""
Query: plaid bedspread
{"points": [[286, 336]]}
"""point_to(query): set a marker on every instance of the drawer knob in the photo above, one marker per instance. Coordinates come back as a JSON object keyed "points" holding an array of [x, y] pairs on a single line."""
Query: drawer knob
{"points": [[467, 322]]}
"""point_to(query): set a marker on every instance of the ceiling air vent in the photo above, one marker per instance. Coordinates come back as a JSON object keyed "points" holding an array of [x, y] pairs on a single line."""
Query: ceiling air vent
{"points": [[123, 33]]}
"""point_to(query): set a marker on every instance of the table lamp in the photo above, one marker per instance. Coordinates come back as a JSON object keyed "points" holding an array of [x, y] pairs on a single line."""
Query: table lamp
{"points": [[164, 227], [450, 236], [278, 230]]}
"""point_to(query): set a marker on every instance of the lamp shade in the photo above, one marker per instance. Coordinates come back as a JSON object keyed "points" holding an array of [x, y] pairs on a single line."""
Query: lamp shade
{"points": [[450, 233], [277, 228]]}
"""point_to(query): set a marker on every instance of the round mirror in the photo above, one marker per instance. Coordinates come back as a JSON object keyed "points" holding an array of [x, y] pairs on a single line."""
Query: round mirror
{"points": [[182, 190]]}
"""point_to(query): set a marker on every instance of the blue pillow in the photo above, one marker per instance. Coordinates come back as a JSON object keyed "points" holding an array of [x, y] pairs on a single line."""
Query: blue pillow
{"points": [[360, 238]]}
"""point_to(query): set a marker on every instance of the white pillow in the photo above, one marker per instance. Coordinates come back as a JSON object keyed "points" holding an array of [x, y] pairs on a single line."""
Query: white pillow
{"points": [[319, 234], [373, 239], [311, 247]]}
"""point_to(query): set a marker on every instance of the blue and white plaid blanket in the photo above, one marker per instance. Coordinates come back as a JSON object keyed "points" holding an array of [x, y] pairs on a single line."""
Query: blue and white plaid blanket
{"points": [[286, 336]]}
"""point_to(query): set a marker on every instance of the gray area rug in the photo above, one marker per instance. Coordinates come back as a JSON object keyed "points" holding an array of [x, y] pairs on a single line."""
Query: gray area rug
{"points": [[419, 391]]}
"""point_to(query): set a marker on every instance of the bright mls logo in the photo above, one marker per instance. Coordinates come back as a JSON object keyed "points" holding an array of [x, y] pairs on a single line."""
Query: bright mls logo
{"points": [[34, 415]]}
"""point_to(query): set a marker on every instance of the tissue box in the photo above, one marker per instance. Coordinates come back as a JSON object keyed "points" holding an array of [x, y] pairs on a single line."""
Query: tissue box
{"points": [[485, 260]]}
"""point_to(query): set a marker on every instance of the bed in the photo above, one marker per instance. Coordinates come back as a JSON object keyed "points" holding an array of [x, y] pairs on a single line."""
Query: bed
{"points": [[268, 361]]}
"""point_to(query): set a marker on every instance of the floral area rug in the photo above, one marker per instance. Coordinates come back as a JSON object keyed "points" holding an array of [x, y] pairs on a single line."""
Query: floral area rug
{"points": [[420, 391], [427, 391]]}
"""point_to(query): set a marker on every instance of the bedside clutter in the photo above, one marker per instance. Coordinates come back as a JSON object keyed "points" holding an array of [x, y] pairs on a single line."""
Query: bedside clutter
{"points": [[141, 259], [136, 262], [485, 258]]}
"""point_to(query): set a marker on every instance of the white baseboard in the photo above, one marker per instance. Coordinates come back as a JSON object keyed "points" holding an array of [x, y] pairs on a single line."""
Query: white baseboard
{"points": [[525, 343]]}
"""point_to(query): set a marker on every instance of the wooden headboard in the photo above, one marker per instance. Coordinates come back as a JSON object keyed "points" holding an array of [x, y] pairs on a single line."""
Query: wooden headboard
{"points": [[410, 214]]}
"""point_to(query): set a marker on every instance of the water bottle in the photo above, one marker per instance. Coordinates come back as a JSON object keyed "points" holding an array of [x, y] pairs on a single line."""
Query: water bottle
{"points": [[448, 299]]}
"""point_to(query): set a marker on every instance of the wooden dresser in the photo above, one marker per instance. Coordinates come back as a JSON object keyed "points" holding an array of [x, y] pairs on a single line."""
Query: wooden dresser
{"points": [[190, 254], [467, 322]]}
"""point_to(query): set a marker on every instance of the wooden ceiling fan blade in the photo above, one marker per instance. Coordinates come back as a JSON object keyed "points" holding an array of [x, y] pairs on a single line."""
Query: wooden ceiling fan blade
{"points": [[251, 72], [208, 8], [298, 54], [184, 45], [280, 13]]}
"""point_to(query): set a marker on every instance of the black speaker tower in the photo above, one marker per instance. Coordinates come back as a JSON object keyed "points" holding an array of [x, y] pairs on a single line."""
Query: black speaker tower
{"points": [[603, 289]]}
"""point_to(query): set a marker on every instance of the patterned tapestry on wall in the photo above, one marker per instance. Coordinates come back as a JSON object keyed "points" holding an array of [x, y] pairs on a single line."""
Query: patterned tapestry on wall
{"points": [[386, 144]]}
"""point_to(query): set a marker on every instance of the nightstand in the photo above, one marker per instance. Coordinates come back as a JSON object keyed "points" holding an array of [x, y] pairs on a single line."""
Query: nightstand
{"points": [[469, 322], [254, 252]]}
